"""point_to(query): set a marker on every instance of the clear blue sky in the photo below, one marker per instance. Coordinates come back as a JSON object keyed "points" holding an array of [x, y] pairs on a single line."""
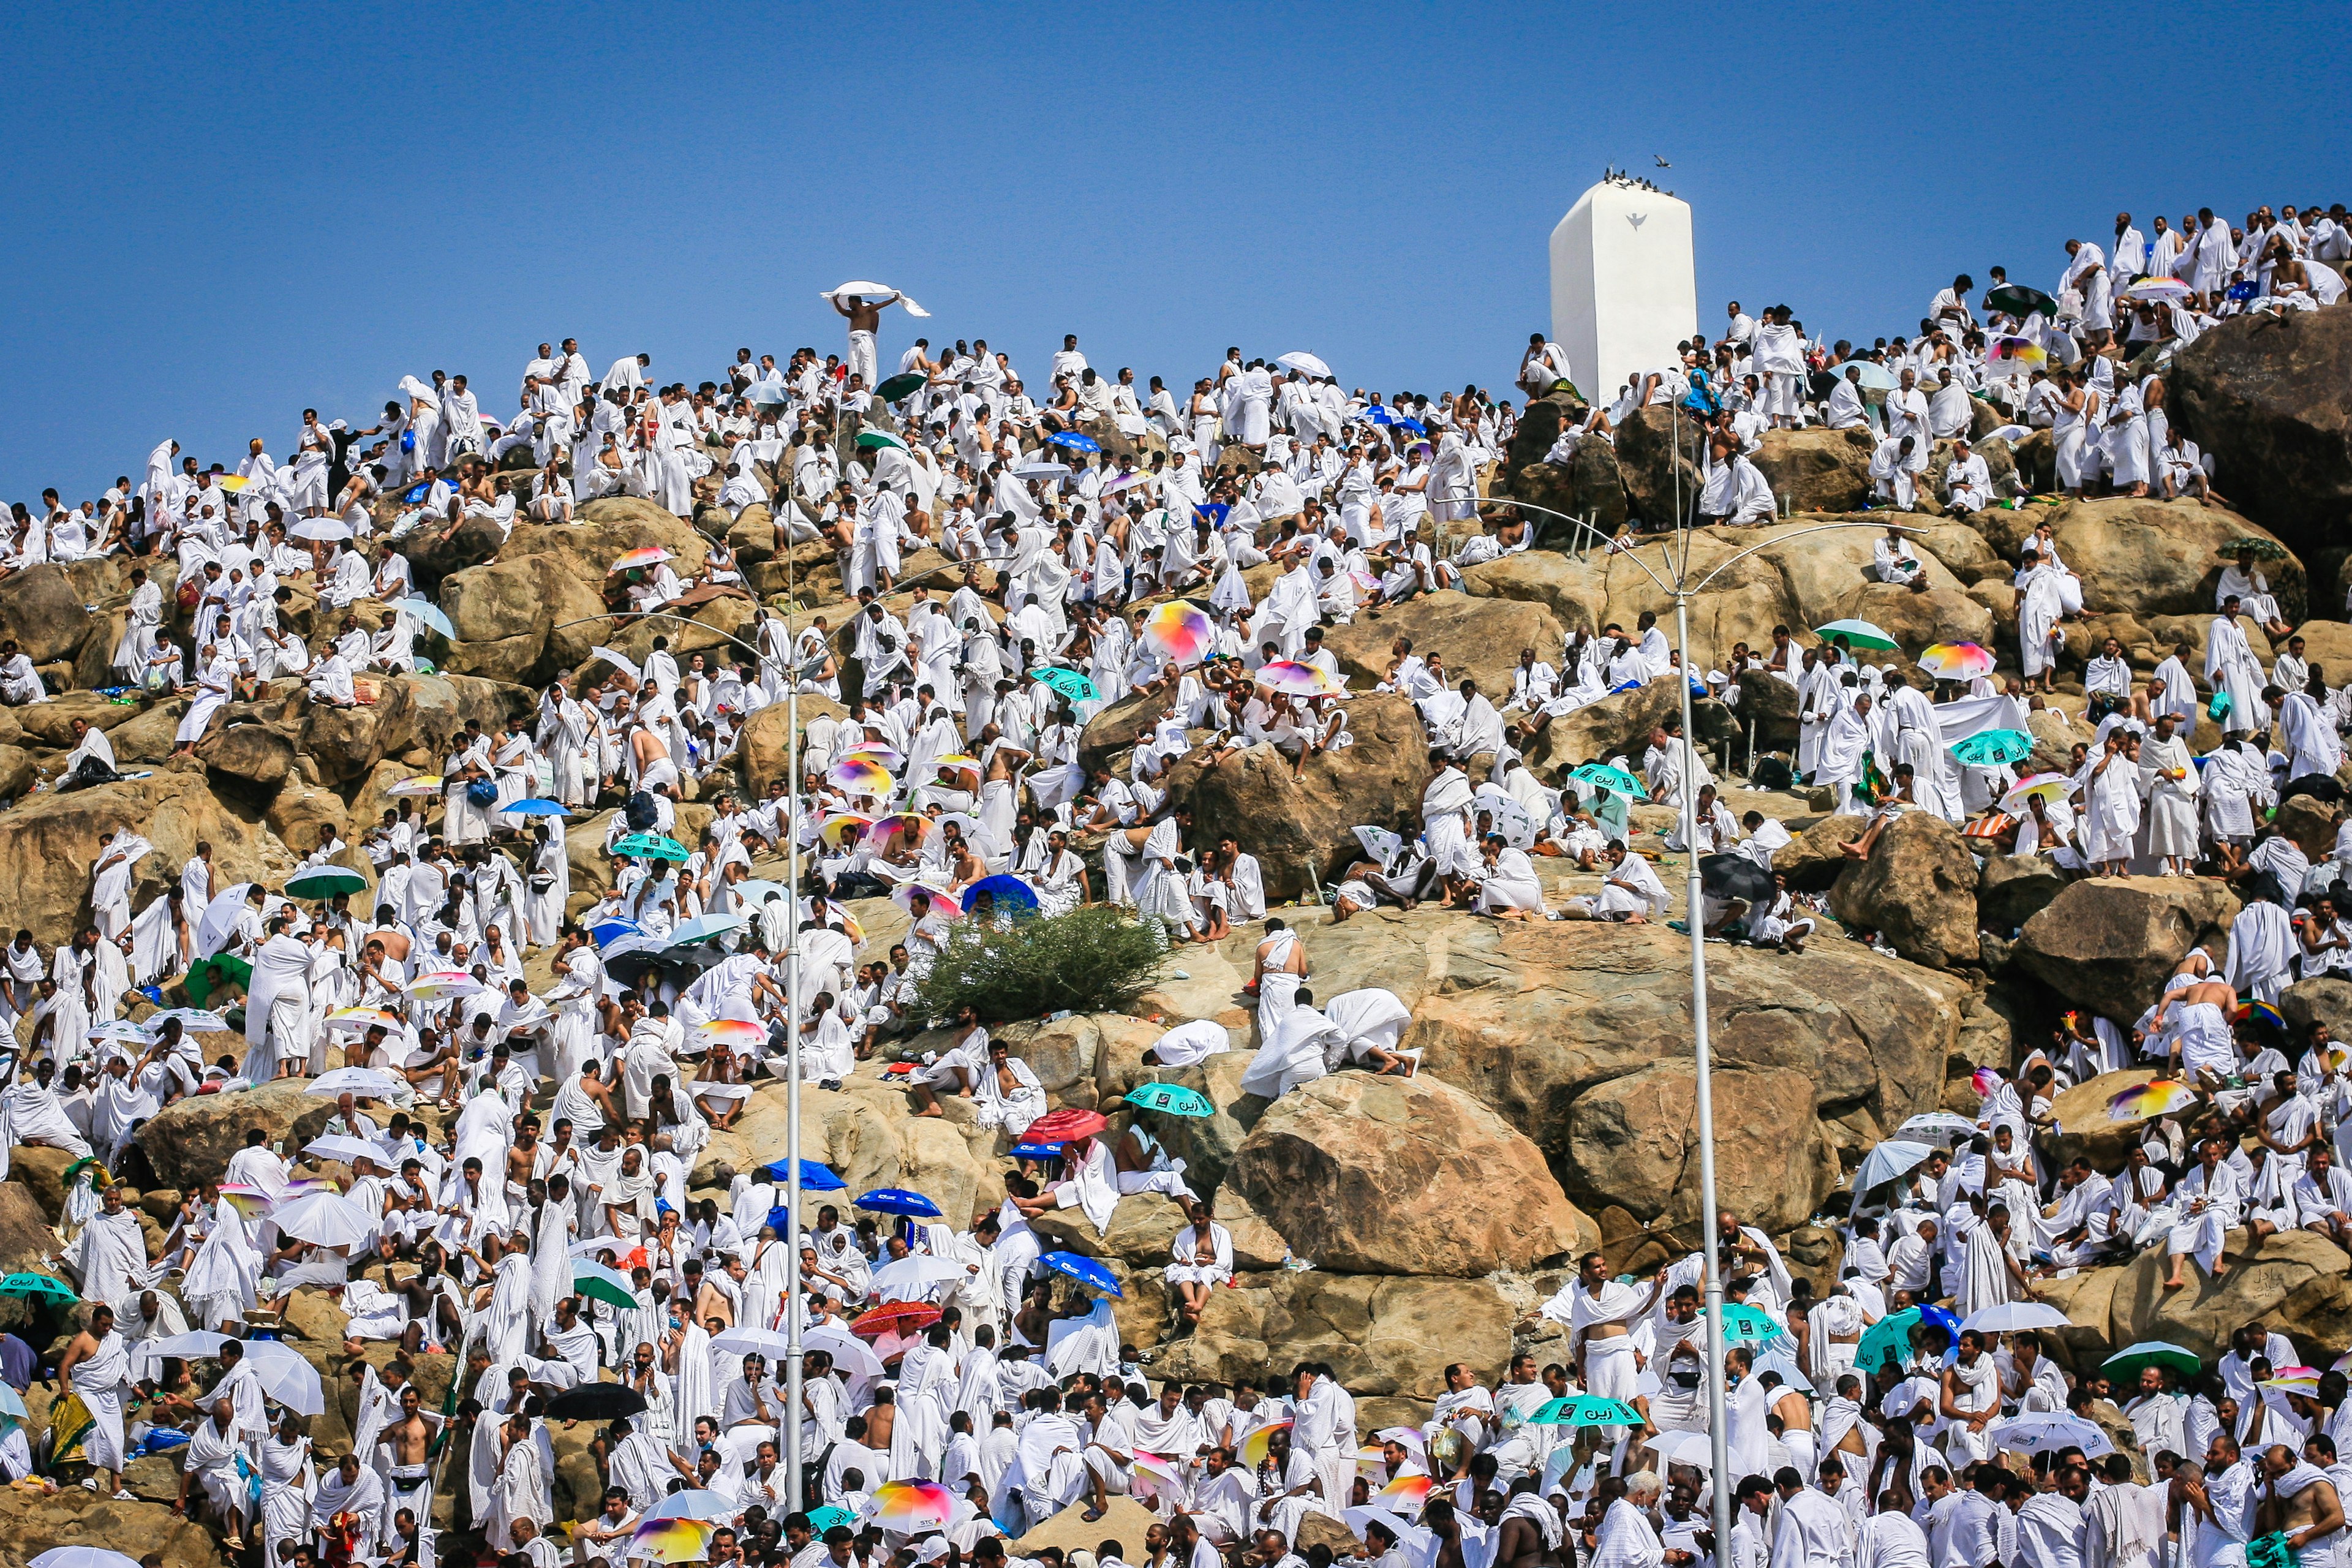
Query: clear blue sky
{"points": [[217, 216]]}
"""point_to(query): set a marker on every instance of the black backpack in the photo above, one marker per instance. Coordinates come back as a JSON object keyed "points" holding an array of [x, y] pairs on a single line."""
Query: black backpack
{"points": [[640, 812], [1769, 773]]}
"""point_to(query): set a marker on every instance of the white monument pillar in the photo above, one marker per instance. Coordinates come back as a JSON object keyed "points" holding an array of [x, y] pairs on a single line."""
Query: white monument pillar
{"points": [[1623, 288]]}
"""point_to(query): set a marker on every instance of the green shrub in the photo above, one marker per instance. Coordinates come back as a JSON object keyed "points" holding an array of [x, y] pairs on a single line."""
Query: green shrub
{"points": [[1094, 958]]}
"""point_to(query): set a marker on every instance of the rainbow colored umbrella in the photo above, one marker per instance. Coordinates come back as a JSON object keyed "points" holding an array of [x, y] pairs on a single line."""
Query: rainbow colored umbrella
{"points": [[2010, 355], [1150, 1472], [735, 1034], [905, 1507], [419, 787], [2157, 1097], [1409, 1492], [858, 776], [2049, 784], [643, 555], [944, 904], [2259, 1012], [670, 1541], [837, 830], [877, 753], [913, 824], [1255, 1446], [1292, 679], [2303, 1380], [1956, 661], [1182, 630], [359, 1020]]}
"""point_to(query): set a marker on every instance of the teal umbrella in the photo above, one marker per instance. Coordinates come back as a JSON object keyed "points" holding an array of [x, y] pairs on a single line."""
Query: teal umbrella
{"points": [[653, 846], [1857, 634], [1611, 778], [2122, 1368], [1066, 683], [1993, 748], [823, 1519], [1746, 1325], [40, 1288], [1887, 1339], [424, 610], [1171, 1097], [1585, 1410]]}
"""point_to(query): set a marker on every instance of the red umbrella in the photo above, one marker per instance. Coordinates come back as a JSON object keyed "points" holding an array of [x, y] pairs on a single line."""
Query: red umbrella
{"points": [[903, 1316], [1065, 1125]]}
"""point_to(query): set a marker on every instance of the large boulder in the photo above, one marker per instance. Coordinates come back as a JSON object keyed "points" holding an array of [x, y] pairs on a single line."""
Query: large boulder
{"points": [[512, 617], [1818, 469], [1579, 1034], [1915, 890], [1299, 825], [2013, 888], [1480, 639], [763, 750], [346, 743], [52, 840], [2084, 1130], [2319, 1000], [2149, 557], [1660, 453], [248, 754], [2292, 1282], [1384, 1335], [32, 1523], [2110, 942], [1372, 1175], [438, 548], [189, 1141], [2271, 399], [45, 608]]}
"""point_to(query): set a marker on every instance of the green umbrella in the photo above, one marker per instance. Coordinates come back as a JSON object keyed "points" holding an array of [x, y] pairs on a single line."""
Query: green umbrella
{"points": [[1611, 778], [1066, 683], [1585, 1410], [1746, 1325], [1993, 748], [40, 1288], [1172, 1098], [823, 1519], [1857, 634], [651, 844], [2266, 549], [899, 386], [209, 975], [2017, 299], [593, 1279], [324, 882], [2123, 1368], [867, 440]]}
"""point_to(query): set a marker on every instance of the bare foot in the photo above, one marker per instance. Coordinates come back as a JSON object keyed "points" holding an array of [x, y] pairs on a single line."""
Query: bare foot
{"points": [[1852, 847]]}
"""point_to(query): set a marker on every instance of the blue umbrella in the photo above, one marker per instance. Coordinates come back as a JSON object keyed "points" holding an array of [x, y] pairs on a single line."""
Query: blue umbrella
{"points": [[1993, 748], [814, 1178], [1005, 890], [1213, 513], [1379, 415], [605, 933], [899, 1201], [1074, 441], [1085, 1270], [702, 928], [1032, 1152], [430, 614], [536, 809], [1416, 425]]}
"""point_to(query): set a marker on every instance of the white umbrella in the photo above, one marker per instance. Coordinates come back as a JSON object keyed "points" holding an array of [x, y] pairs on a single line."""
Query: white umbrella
{"points": [[1410, 1538], [2016, 1316], [1692, 1448], [1936, 1126], [696, 1503], [753, 1342], [324, 1220], [322, 527], [1885, 1163], [909, 1277], [335, 1146], [618, 660], [194, 1345], [220, 919], [850, 1354], [2046, 1434], [83, 1557], [1783, 1361], [285, 1377], [368, 1083], [860, 288], [1302, 359], [1379, 843], [1041, 470]]}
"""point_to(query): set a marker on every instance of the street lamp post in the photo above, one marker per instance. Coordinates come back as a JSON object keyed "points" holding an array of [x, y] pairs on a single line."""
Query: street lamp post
{"points": [[1682, 590]]}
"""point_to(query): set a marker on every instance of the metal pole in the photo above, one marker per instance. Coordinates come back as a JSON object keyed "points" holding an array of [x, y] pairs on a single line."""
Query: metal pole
{"points": [[792, 1306], [1718, 1448]]}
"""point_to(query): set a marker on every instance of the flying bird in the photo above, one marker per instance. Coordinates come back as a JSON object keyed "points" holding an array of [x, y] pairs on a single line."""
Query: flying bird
{"points": [[1661, 161]]}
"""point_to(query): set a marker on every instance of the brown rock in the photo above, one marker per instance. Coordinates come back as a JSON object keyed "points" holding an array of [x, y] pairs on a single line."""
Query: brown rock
{"points": [[2111, 942], [2271, 397], [52, 840], [1817, 469], [2085, 1130], [31, 1523], [1914, 890], [248, 753], [2160, 558], [1420, 1162], [189, 1141], [2013, 888], [1480, 639], [761, 750], [2292, 1282], [1383, 1334]]}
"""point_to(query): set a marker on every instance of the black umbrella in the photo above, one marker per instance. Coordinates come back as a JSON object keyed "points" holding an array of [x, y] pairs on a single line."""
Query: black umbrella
{"points": [[596, 1402], [2017, 299], [1735, 876]]}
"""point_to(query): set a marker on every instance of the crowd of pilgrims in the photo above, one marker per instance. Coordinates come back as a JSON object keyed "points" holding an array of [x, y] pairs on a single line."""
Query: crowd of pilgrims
{"points": [[569, 1118]]}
